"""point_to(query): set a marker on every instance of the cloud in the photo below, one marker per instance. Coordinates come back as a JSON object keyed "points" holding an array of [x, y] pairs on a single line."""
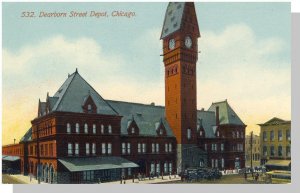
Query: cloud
{"points": [[250, 72]]}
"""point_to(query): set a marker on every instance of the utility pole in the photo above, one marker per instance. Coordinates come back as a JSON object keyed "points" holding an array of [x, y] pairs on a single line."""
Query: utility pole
{"points": [[251, 143]]}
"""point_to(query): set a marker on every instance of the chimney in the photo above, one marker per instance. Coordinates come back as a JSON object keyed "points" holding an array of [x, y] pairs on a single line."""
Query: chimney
{"points": [[217, 116]]}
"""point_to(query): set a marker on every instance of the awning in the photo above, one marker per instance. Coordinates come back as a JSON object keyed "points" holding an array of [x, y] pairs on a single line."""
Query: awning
{"points": [[10, 158], [282, 163], [96, 163]]}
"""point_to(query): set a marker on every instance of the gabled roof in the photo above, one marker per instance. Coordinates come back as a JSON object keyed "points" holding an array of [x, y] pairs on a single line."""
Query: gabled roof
{"points": [[276, 121], [145, 116], [226, 114], [208, 121], [27, 136], [73, 92]]}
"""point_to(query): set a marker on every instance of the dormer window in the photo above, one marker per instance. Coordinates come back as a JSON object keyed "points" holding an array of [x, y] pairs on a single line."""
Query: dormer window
{"points": [[88, 105], [201, 133], [132, 130], [89, 108], [161, 132], [218, 134]]}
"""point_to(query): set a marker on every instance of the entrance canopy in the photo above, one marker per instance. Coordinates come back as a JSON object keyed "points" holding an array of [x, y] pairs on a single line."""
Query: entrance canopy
{"points": [[10, 158], [96, 163]]}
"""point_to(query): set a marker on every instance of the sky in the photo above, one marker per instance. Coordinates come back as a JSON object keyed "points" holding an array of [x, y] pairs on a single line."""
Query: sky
{"points": [[245, 57]]}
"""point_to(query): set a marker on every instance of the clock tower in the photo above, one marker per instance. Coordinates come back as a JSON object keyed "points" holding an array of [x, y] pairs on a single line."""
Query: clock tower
{"points": [[180, 35]]}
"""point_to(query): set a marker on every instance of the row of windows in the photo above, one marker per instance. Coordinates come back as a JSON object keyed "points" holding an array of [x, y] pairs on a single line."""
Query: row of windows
{"points": [[45, 150], [215, 163], [279, 151], [86, 128], [90, 148], [214, 147], [155, 167], [279, 135], [237, 134]]}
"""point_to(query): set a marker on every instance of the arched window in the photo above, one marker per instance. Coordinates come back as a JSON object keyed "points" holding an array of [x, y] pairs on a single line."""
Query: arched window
{"points": [[109, 129], [68, 128], [94, 128], [89, 107], [86, 129], [77, 127], [102, 128]]}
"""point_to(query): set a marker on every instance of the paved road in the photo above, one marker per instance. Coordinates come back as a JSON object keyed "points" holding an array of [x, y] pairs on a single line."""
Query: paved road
{"points": [[7, 179]]}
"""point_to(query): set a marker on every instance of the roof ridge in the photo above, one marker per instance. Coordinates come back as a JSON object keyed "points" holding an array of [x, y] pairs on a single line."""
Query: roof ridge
{"points": [[61, 98], [135, 103], [225, 101]]}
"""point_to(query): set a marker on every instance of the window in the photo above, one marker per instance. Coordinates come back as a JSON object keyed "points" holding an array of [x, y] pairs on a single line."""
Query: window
{"points": [[157, 148], [109, 129], [288, 151], [109, 148], [272, 151], [128, 148], [222, 162], [280, 150], [144, 147], [157, 168], [242, 134], [170, 147], [77, 127], [218, 133], [76, 149], [280, 135], [201, 133], [216, 163], [188, 133], [103, 145], [94, 148], [205, 147], [129, 171], [68, 128], [265, 150], [102, 129], [170, 167], [132, 130], [152, 170], [214, 147], [86, 129], [153, 148], [87, 149], [166, 148], [88, 176], [123, 148], [272, 136], [212, 163], [222, 146], [288, 135], [70, 150], [165, 167], [237, 134], [139, 148], [89, 107], [94, 128], [233, 134], [265, 136]]}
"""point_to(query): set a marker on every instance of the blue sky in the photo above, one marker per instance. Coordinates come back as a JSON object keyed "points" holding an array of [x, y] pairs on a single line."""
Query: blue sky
{"points": [[245, 56]]}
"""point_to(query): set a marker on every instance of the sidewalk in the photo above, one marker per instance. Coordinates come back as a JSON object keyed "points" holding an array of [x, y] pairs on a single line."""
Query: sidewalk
{"points": [[25, 179]]}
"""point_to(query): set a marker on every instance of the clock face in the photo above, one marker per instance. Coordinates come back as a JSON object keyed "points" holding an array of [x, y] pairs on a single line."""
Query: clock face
{"points": [[171, 44], [188, 42]]}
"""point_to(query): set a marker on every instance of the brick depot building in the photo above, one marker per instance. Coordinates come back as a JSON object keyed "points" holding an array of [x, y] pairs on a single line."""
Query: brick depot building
{"points": [[79, 137]]}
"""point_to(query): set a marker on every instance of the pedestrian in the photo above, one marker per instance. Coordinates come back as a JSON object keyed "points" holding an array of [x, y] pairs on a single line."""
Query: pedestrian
{"points": [[256, 176]]}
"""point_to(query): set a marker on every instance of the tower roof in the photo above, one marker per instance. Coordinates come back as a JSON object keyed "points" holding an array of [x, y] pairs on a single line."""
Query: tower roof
{"points": [[174, 18]]}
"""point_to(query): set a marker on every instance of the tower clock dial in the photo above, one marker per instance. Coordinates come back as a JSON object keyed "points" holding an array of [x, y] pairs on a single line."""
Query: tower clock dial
{"points": [[171, 44], [188, 42]]}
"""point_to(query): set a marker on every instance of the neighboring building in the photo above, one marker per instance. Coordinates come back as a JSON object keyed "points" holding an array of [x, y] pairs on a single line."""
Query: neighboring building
{"points": [[275, 137], [79, 137], [255, 148]]}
